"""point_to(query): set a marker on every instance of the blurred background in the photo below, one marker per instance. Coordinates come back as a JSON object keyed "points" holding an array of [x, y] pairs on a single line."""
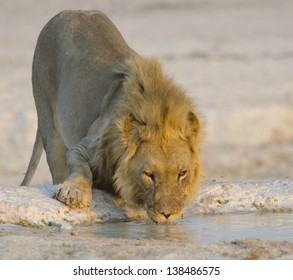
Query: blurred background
{"points": [[233, 57]]}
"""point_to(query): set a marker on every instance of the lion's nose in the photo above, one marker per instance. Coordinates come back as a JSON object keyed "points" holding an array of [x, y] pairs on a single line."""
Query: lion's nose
{"points": [[166, 215]]}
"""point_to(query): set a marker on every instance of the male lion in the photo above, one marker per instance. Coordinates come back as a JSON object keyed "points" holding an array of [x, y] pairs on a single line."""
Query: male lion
{"points": [[111, 119]]}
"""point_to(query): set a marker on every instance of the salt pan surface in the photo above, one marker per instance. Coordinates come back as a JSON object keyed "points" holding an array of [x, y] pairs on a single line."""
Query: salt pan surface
{"points": [[35, 205]]}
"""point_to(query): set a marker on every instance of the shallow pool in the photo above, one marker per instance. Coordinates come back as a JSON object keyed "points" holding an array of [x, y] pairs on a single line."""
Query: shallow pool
{"points": [[204, 228]]}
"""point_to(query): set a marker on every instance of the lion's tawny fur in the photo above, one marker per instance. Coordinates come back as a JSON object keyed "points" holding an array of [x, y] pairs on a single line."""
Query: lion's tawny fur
{"points": [[111, 119]]}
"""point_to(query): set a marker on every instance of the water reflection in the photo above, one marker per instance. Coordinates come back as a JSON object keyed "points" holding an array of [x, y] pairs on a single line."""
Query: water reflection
{"points": [[204, 228], [147, 230]]}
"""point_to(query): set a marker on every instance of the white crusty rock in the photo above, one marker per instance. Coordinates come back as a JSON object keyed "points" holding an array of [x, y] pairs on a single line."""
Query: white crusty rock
{"points": [[245, 196], [35, 205]]}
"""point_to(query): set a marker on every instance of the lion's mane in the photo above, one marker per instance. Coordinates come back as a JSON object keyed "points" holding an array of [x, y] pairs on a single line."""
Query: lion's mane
{"points": [[153, 108]]}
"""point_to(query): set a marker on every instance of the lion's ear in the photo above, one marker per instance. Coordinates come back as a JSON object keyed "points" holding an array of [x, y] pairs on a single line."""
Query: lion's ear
{"points": [[193, 122], [194, 131]]}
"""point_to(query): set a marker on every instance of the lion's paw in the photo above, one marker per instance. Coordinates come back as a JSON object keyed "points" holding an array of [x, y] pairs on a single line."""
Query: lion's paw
{"points": [[74, 194]]}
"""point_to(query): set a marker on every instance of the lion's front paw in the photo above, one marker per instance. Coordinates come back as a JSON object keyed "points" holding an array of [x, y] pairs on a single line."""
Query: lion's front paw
{"points": [[74, 194]]}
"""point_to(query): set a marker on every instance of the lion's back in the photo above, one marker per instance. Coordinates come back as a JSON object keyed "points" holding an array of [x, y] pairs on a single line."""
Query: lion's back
{"points": [[74, 60], [82, 34]]}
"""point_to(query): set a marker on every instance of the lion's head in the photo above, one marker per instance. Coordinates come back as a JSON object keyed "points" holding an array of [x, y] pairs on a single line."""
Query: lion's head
{"points": [[159, 136]]}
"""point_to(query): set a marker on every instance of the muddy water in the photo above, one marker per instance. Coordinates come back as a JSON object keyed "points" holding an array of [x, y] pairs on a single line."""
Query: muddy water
{"points": [[204, 229]]}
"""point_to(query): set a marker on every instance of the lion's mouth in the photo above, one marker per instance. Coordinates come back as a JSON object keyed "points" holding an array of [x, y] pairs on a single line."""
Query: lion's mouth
{"points": [[153, 214], [162, 219]]}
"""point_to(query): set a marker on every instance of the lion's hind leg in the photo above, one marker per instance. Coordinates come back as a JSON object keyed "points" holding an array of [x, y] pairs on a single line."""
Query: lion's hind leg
{"points": [[56, 157]]}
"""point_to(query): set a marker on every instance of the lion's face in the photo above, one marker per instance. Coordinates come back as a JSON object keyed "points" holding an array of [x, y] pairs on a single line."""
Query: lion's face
{"points": [[163, 175], [159, 137]]}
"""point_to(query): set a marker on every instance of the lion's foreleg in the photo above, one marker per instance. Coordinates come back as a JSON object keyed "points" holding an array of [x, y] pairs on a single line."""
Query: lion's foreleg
{"points": [[76, 191]]}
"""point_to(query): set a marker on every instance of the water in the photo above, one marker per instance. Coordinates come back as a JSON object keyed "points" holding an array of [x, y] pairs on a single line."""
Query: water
{"points": [[205, 228]]}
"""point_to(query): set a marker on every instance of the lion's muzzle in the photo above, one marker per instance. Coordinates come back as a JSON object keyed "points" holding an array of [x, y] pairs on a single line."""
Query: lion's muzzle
{"points": [[166, 210]]}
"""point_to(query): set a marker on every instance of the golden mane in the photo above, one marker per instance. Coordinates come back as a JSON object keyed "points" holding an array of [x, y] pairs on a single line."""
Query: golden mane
{"points": [[153, 99], [153, 107]]}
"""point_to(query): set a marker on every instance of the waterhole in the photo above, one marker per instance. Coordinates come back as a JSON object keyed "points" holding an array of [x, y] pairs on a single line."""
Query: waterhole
{"points": [[204, 228]]}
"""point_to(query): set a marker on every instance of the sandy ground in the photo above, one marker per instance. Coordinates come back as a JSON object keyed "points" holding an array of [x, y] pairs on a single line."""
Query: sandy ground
{"points": [[235, 58]]}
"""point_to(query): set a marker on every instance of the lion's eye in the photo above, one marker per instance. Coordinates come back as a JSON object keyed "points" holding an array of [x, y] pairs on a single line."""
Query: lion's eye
{"points": [[182, 174], [149, 175]]}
